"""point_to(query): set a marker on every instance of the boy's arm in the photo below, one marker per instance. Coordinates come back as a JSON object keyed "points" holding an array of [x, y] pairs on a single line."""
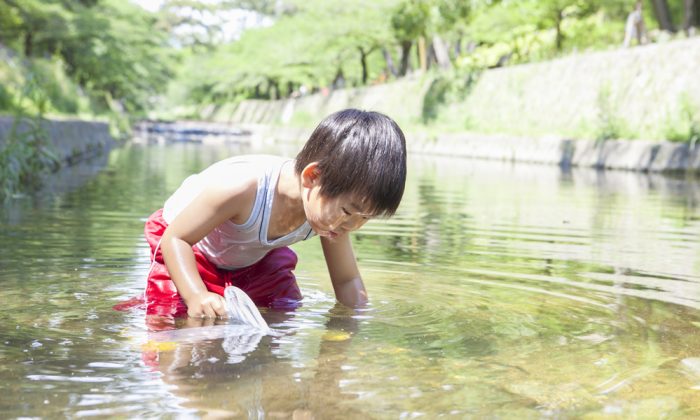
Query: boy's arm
{"points": [[211, 208], [342, 267]]}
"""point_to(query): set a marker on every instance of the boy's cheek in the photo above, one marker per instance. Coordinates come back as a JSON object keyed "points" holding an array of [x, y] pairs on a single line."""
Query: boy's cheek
{"points": [[358, 225]]}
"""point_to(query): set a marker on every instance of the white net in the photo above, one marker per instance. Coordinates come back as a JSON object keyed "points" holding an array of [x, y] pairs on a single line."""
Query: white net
{"points": [[241, 309]]}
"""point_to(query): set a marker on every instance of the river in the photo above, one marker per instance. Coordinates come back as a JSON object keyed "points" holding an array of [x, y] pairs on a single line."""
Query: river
{"points": [[497, 290]]}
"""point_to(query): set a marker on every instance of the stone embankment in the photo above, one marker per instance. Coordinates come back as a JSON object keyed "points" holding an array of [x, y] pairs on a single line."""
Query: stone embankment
{"points": [[633, 155], [549, 110], [72, 141]]}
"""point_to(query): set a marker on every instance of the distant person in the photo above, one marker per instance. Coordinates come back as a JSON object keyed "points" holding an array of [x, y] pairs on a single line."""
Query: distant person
{"points": [[232, 223], [634, 28]]}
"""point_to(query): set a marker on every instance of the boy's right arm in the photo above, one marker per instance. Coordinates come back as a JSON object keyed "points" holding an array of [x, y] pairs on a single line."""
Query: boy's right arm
{"points": [[216, 204]]}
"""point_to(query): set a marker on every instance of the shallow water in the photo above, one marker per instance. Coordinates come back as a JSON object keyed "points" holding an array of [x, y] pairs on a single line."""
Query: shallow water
{"points": [[497, 290]]}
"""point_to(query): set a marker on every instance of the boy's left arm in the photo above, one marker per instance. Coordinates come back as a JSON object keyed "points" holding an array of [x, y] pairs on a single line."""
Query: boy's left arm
{"points": [[342, 267]]}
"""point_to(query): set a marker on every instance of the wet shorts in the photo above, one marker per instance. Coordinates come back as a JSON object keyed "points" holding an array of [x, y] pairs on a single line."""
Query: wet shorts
{"points": [[269, 282]]}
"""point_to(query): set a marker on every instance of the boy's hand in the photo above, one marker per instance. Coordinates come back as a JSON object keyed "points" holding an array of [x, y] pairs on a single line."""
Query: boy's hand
{"points": [[206, 305]]}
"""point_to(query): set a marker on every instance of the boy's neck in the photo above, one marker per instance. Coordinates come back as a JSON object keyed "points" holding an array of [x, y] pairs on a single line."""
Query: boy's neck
{"points": [[288, 208], [288, 189]]}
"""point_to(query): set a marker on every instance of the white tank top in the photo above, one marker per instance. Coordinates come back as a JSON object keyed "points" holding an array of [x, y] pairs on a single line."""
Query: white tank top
{"points": [[231, 246]]}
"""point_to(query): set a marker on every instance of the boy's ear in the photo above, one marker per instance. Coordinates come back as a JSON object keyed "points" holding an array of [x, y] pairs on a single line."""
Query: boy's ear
{"points": [[310, 175]]}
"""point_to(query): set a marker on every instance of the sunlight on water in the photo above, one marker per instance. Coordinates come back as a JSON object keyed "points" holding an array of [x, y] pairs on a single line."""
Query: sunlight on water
{"points": [[496, 290]]}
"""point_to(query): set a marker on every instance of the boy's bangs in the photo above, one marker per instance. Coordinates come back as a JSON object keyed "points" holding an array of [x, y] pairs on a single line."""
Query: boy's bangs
{"points": [[377, 183], [362, 154]]}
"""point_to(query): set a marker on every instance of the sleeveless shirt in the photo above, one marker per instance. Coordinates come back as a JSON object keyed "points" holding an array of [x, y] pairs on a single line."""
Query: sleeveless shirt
{"points": [[231, 246]]}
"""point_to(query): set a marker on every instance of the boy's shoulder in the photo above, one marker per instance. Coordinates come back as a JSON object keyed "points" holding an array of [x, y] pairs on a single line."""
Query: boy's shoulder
{"points": [[250, 162], [246, 170]]}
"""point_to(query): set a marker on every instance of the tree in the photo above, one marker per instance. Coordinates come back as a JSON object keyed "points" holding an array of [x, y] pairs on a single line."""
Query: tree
{"points": [[550, 14], [40, 25], [409, 22], [450, 16], [663, 15], [691, 15], [107, 46], [358, 26]]}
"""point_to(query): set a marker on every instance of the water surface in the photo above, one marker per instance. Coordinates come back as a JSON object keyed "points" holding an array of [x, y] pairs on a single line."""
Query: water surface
{"points": [[497, 290]]}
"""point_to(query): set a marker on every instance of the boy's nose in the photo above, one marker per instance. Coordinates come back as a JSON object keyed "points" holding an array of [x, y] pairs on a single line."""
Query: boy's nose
{"points": [[336, 223]]}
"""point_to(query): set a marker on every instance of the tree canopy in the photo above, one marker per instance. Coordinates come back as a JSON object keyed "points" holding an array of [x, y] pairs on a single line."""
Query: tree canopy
{"points": [[124, 57], [108, 47]]}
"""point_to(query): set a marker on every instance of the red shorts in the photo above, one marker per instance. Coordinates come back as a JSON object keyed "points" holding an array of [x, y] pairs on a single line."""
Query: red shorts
{"points": [[269, 282]]}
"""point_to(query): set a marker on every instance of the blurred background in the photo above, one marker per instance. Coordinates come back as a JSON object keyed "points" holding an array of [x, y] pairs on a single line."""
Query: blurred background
{"points": [[177, 59]]}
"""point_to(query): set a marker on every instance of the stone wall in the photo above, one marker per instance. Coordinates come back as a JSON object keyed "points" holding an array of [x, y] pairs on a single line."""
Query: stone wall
{"points": [[72, 140], [403, 100], [643, 89], [633, 155]]}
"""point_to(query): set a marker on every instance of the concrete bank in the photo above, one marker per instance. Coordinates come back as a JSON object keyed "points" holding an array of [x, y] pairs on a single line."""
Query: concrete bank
{"points": [[403, 100], [647, 92], [72, 141], [634, 155]]}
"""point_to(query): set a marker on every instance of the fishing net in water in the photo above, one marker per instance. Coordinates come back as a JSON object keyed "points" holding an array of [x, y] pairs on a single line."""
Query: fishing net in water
{"points": [[241, 309]]}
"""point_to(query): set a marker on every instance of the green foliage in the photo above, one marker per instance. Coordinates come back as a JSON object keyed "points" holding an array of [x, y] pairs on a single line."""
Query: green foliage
{"points": [[6, 99], [49, 78], [108, 47], [610, 125], [533, 30], [597, 31], [410, 19], [685, 127], [446, 88], [434, 98], [309, 47], [56, 93], [26, 155]]}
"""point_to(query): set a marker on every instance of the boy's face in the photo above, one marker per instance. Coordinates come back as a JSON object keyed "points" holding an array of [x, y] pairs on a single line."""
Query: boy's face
{"points": [[330, 217]]}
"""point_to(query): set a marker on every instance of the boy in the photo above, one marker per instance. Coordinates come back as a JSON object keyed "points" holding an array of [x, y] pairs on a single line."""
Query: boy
{"points": [[233, 222]]}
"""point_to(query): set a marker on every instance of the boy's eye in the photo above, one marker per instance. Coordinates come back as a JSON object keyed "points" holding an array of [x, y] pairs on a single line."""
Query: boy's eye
{"points": [[346, 212]]}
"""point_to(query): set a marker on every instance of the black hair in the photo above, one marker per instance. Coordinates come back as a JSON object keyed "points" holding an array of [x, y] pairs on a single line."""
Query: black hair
{"points": [[361, 153]]}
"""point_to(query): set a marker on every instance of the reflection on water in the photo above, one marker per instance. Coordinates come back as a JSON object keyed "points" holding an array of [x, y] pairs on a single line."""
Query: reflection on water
{"points": [[497, 290]]}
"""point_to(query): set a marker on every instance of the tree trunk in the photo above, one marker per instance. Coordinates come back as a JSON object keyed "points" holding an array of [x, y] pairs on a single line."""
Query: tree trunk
{"points": [[690, 19], [422, 54], [28, 44], [339, 80], [275, 89], [363, 63], [405, 51], [442, 55], [430, 57], [663, 15], [389, 62], [559, 34]]}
